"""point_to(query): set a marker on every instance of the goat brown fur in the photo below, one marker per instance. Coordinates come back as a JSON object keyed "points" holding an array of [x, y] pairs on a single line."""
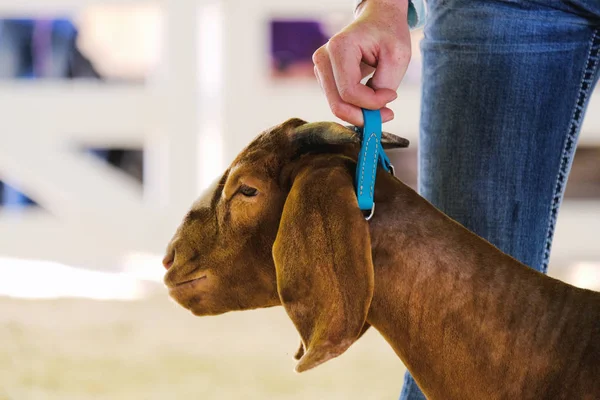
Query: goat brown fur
{"points": [[282, 227]]}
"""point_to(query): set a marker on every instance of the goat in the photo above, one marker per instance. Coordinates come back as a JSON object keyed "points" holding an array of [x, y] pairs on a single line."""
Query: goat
{"points": [[282, 227]]}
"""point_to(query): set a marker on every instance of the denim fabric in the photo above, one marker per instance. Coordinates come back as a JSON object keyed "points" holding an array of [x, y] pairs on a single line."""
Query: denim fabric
{"points": [[505, 88]]}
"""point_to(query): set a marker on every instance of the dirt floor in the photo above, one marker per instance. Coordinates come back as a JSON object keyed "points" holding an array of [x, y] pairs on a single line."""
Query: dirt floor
{"points": [[152, 349]]}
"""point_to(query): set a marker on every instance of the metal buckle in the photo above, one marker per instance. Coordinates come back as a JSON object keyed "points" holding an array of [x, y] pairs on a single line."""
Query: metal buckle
{"points": [[368, 217]]}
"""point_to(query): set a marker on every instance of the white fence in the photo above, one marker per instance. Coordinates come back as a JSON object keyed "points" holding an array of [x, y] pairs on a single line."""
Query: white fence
{"points": [[213, 94]]}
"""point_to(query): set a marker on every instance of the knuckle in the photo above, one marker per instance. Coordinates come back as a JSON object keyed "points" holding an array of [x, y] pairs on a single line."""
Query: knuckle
{"points": [[338, 41], [319, 56]]}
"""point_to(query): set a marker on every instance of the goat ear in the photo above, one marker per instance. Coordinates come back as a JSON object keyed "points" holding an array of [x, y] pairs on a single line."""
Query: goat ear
{"points": [[300, 352], [320, 133], [322, 256]]}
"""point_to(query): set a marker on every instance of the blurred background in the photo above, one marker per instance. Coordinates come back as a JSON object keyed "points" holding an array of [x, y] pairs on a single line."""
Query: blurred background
{"points": [[115, 116]]}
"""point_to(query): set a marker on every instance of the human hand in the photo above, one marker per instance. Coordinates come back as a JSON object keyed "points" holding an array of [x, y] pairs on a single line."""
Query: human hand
{"points": [[377, 40]]}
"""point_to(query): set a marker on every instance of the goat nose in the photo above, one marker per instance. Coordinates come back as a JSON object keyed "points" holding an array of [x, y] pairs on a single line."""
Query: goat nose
{"points": [[168, 260]]}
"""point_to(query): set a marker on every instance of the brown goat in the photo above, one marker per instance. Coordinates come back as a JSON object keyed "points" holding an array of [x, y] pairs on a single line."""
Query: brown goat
{"points": [[282, 227]]}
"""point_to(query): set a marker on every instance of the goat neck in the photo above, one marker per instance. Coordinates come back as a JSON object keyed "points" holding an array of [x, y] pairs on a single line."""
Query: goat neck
{"points": [[466, 319]]}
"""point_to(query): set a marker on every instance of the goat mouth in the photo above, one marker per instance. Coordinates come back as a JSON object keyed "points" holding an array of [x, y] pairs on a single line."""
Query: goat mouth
{"points": [[186, 284]]}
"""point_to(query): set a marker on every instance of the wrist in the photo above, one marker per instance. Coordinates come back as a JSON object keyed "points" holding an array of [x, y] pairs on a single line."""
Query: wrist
{"points": [[360, 5]]}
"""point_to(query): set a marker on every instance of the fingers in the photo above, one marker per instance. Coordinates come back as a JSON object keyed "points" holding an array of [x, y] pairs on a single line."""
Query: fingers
{"points": [[344, 111], [348, 112], [345, 104], [346, 58]]}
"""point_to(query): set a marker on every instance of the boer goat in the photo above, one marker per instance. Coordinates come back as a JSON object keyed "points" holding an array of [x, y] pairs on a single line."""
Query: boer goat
{"points": [[282, 227]]}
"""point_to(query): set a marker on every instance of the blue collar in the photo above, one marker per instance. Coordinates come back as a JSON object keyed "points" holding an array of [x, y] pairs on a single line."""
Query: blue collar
{"points": [[370, 155]]}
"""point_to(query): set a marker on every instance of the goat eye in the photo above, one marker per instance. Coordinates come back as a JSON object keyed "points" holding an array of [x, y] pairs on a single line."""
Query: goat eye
{"points": [[248, 191]]}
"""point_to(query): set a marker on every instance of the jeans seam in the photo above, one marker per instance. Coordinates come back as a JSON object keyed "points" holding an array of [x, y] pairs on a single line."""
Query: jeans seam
{"points": [[569, 146], [475, 48]]}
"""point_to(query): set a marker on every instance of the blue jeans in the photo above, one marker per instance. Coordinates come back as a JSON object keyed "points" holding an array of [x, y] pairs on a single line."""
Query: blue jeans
{"points": [[505, 88]]}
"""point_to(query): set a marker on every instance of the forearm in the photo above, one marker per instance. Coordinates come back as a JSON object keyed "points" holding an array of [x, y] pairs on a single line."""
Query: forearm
{"points": [[396, 3]]}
